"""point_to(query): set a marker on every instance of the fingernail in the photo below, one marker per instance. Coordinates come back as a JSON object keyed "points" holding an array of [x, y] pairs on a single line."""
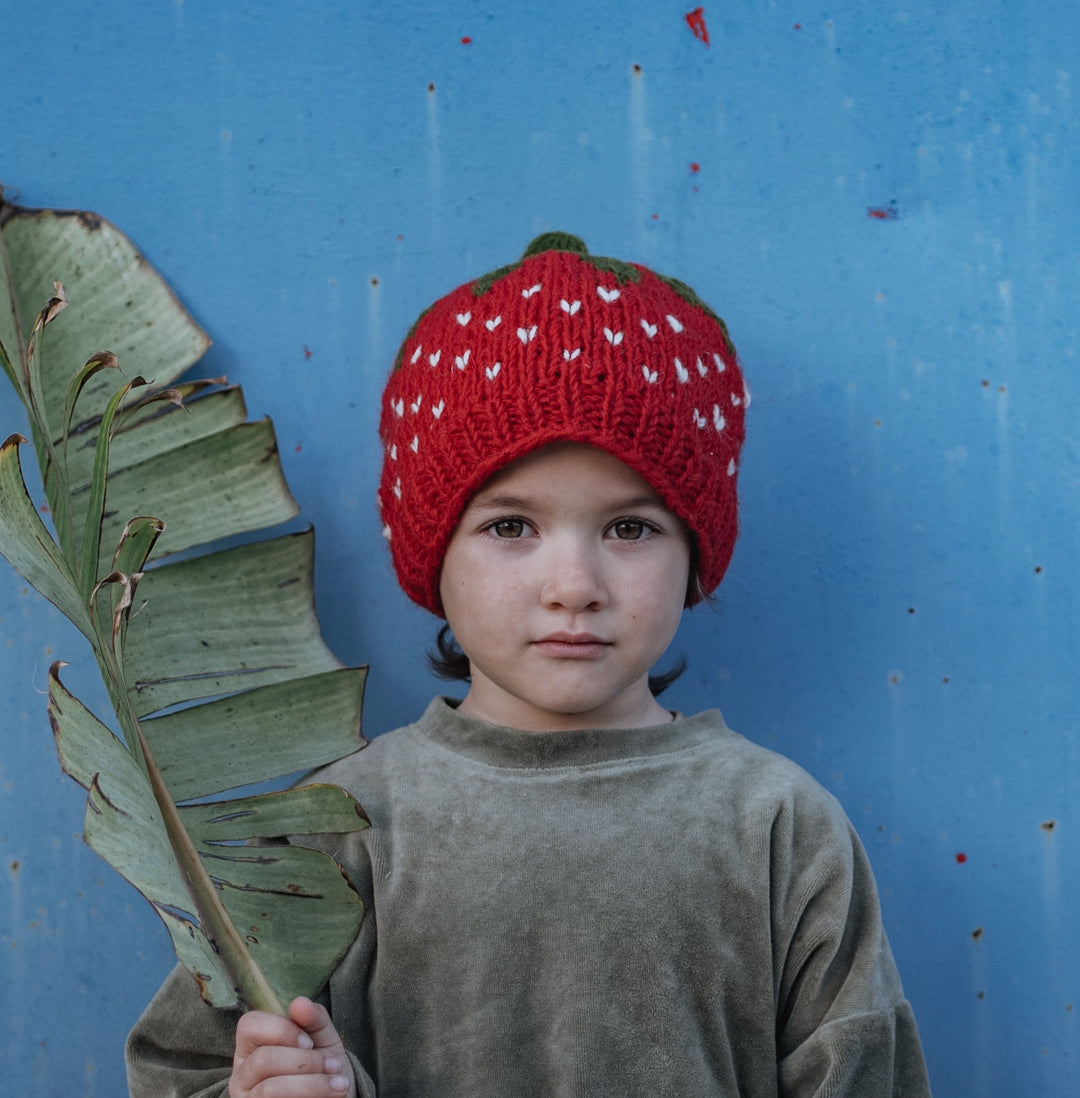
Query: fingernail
{"points": [[304, 1041], [332, 1065], [339, 1083]]}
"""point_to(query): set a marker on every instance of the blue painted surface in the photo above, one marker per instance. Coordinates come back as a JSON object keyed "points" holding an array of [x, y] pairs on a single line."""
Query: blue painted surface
{"points": [[885, 213]]}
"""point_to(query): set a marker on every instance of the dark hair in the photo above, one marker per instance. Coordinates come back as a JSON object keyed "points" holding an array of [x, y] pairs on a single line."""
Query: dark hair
{"points": [[450, 662]]}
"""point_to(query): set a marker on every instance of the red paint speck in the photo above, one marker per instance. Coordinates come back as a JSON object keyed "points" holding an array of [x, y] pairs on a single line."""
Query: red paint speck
{"points": [[695, 167], [882, 213], [44, 508], [307, 352], [656, 217], [298, 446], [961, 858], [696, 21], [798, 26], [466, 41]]}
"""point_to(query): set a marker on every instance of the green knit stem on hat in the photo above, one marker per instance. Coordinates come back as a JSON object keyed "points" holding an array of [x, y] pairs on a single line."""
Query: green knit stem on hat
{"points": [[560, 242], [555, 242]]}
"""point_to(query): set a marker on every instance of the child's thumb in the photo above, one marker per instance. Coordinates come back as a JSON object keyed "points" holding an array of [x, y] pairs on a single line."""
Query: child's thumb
{"points": [[315, 1021]]}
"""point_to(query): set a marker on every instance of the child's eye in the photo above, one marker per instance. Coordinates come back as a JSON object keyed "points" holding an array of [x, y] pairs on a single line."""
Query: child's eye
{"points": [[509, 528], [631, 529]]}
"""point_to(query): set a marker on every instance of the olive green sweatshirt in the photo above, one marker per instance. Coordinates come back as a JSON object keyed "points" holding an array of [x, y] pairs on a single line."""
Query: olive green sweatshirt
{"points": [[656, 911]]}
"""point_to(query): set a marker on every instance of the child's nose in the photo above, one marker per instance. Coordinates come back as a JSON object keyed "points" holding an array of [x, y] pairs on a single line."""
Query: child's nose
{"points": [[574, 579]]}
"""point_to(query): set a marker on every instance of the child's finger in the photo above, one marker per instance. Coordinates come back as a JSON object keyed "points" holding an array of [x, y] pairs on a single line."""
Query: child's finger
{"points": [[257, 1028], [276, 1072], [314, 1020]]}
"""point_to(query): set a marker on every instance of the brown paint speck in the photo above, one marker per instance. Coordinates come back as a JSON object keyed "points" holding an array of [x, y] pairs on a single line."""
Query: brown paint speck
{"points": [[1048, 825], [977, 933]]}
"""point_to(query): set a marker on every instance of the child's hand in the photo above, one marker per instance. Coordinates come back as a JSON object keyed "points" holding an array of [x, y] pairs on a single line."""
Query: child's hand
{"points": [[296, 1057]]}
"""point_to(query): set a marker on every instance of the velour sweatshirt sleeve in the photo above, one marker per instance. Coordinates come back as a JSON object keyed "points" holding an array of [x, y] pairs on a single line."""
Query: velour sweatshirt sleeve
{"points": [[183, 1048], [844, 1028], [180, 1047]]}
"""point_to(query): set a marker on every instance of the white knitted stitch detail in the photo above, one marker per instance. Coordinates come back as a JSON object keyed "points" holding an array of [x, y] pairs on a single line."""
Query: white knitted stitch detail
{"points": [[699, 420], [650, 375], [415, 406], [650, 329], [681, 372], [676, 324], [607, 295], [386, 533], [530, 291], [702, 368], [720, 367], [731, 468], [438, 409], [461, 361], [397, 487], [526, 335], [570, 307], [464, 318], [398, 406], [393, 451], [434, 359], [736, 400], [571, 355], [614, 338], [718, 418], [415, 444], [492, 372], [491, 325], [416, 353]]}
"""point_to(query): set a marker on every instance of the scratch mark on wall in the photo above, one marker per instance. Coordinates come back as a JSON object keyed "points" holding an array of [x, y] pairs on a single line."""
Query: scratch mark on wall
{"points": [[696, 21]]}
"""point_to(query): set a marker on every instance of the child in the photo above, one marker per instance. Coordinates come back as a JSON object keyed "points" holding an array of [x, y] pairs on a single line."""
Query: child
{"points": [[570, 890]]}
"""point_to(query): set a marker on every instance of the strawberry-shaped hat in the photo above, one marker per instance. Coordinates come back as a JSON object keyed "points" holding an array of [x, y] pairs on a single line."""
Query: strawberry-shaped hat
{"points": [[560, 346]]}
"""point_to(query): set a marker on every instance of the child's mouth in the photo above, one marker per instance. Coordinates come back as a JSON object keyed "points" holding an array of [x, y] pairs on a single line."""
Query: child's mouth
{"points": [[572, 645]]}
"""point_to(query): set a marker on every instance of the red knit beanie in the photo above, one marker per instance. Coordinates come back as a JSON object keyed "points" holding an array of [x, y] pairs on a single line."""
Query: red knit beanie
{"points": [[561, 346]]}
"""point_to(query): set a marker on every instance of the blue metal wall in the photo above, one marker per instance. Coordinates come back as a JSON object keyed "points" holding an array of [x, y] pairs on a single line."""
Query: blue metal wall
{"points": [[880, 199]]}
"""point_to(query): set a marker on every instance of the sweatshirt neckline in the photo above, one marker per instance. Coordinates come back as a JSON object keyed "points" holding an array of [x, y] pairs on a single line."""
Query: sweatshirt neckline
{"points": [[511, 747]]}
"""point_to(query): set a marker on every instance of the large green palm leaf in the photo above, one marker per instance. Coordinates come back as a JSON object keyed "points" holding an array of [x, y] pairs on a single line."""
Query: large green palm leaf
{"points": [[214, 663]]}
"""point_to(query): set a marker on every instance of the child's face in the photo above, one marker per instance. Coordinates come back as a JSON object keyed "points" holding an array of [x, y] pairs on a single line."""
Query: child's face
{"points": [[563, 583]]}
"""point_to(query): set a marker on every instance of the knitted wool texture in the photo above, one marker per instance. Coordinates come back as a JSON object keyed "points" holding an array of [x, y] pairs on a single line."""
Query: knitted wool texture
{"points": [[561, 346]]}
